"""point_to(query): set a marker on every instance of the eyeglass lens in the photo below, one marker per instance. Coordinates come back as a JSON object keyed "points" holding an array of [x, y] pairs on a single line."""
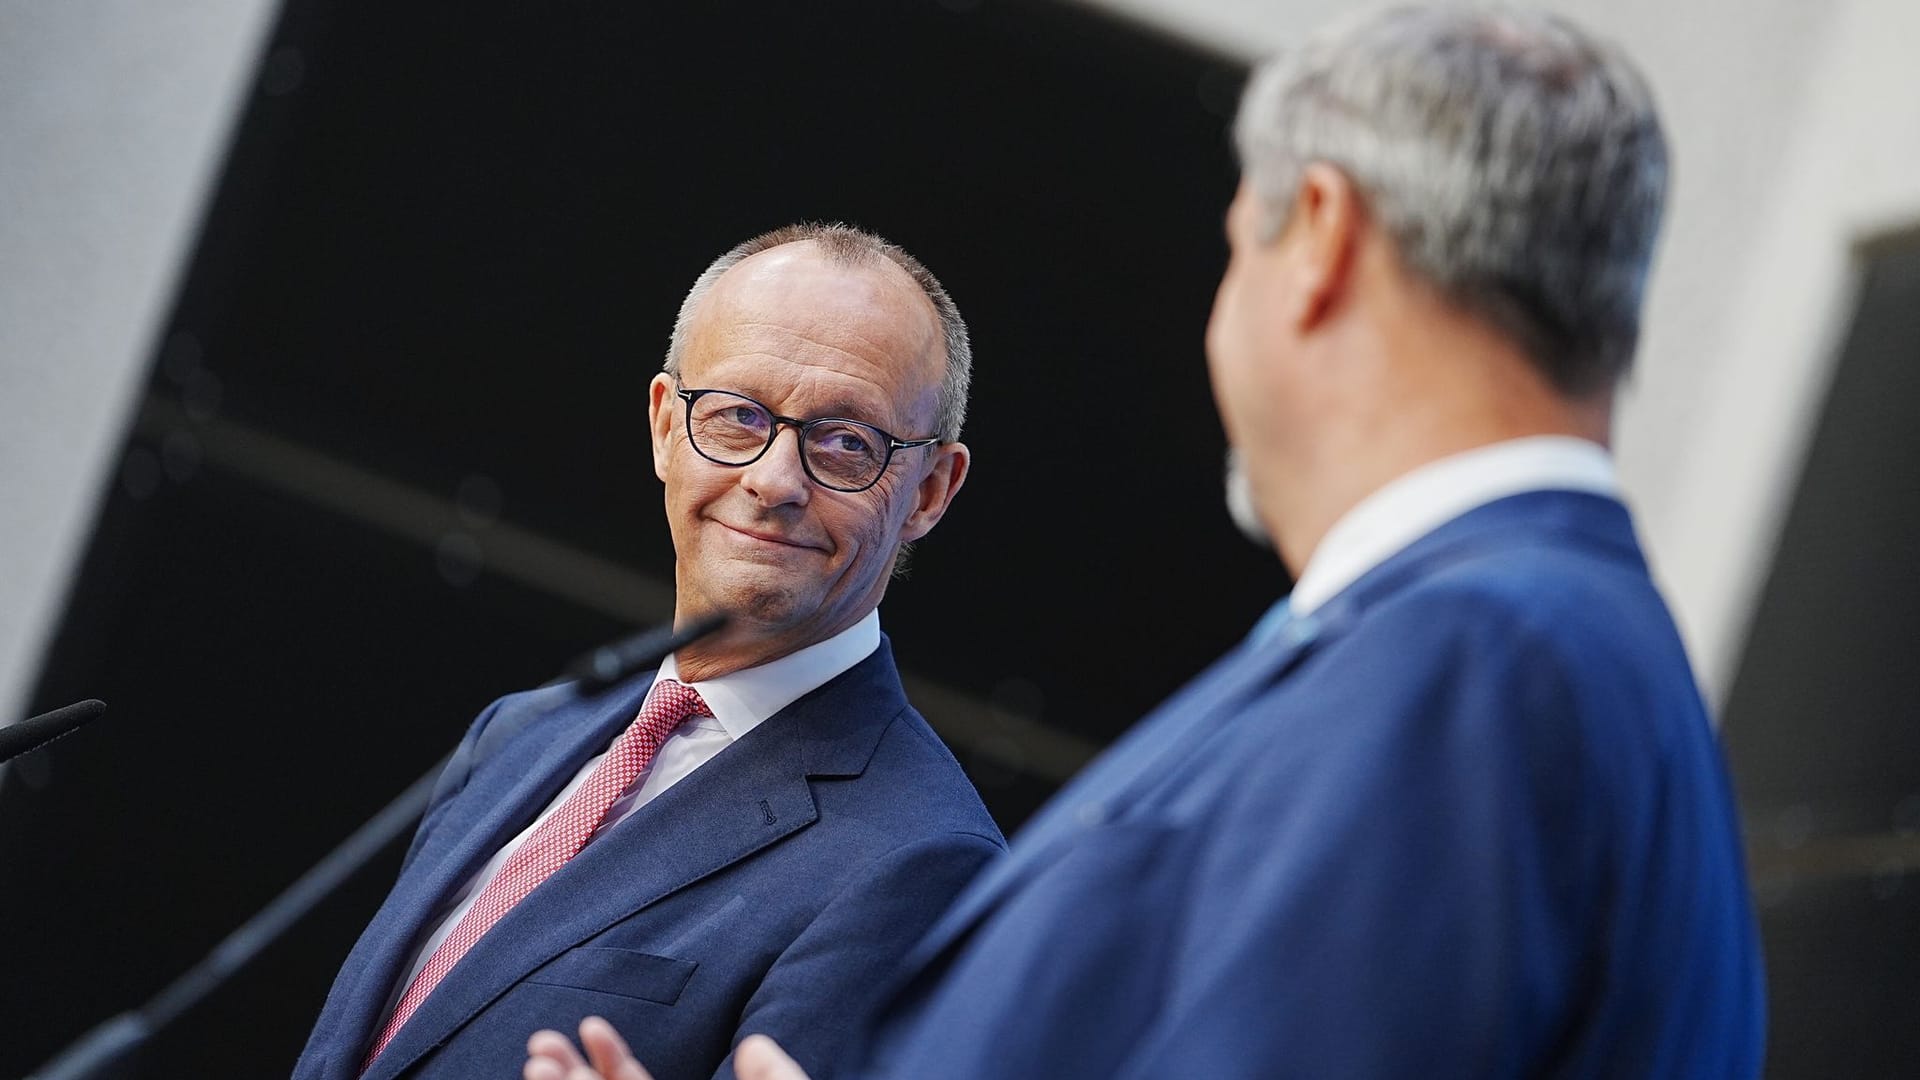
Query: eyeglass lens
{"points": [[733, 430]]}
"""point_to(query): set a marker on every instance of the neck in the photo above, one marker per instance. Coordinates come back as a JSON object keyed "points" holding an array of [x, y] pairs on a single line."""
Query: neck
{"points": [[741, 645], [727, 652], [1446, 389]]}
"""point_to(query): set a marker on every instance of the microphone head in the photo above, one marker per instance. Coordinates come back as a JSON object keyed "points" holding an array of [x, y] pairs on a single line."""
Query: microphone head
{"points": [[37, 731]]}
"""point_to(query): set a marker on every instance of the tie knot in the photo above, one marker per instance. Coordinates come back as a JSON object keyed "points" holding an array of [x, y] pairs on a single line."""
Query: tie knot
{"points": [[670, 702], [667, 704]]}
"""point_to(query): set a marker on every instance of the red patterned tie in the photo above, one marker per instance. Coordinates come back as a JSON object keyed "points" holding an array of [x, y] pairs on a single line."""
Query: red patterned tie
{"points": [[557, 839]]}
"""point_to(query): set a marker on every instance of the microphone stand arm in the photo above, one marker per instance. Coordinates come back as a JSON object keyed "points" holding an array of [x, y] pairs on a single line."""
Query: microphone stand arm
{"points": [[109, 1049]]}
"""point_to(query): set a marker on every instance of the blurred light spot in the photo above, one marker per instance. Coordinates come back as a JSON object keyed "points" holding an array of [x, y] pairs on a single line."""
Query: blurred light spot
{"points": [[180, 357], [479, 500], [284, 70], [1794, 826], [180, 456], [459, 559], [140, 473], [200, 397]]}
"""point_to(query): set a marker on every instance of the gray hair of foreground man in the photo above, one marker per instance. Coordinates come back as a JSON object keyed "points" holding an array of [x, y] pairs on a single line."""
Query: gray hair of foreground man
{"points": [[1515, 162], [849, 246]]}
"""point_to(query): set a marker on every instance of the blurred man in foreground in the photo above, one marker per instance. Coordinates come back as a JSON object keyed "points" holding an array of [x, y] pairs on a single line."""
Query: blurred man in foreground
{"points": [[748, 839], [1454, 809]]}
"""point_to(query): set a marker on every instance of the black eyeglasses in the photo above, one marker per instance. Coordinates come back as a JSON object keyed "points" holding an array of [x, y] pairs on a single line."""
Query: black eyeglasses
{"points": [[838, 454]]}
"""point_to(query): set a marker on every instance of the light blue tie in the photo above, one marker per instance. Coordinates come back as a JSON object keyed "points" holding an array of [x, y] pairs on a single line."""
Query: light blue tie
{"points": [[1271, 623]]}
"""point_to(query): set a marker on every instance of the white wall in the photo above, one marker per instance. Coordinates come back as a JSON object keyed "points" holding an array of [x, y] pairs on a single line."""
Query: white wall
{"points": [[113, 118], [1796, 133]]}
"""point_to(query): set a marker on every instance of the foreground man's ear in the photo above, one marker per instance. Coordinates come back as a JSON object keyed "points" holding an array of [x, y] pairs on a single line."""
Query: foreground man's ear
{"points": [[1324, 232]]}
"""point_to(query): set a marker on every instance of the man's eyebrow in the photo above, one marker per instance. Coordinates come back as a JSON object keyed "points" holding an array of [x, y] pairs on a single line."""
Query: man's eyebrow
{"points": [[840, 407], [847, 409]]}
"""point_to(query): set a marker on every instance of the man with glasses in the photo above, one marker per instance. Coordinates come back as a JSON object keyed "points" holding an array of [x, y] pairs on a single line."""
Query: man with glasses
{"points": [[748, 839], [1455, 810]]}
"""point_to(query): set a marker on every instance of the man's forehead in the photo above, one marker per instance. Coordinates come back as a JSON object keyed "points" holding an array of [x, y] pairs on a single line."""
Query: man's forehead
{"points": [[804, 266], [807, 328], [801, 291], [815, 385]]}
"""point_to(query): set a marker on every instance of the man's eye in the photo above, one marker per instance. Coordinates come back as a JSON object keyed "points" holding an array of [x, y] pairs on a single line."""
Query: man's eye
{"points": [[847, 442], [747, 417]]}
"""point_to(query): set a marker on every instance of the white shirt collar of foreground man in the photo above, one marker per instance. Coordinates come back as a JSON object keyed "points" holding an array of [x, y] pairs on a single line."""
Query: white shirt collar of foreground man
{"points": [[741, 700], [1388, 521]]}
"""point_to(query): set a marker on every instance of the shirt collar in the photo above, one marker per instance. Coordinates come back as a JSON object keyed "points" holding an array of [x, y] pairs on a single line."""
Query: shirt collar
{"points": [[742, 700], [1414, 504]]}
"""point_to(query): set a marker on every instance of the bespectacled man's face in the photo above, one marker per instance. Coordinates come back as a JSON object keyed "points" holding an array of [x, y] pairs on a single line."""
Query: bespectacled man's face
{"points": [[794, 562]]}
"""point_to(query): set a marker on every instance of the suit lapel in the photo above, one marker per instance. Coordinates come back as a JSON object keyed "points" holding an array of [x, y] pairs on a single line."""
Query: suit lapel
{"points": [[752, 794], [507, 788]]}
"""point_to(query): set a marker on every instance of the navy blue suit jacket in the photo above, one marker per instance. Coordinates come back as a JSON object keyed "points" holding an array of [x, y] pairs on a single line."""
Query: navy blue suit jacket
{"points": [[770, 890], [1467, 820]]}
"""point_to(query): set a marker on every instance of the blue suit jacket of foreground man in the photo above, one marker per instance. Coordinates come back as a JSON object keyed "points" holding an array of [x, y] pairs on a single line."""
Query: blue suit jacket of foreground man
{"points": [[1468, 819]]}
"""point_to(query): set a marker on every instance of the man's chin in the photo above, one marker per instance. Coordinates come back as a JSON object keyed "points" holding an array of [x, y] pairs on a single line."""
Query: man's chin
{"points": [[769, 605], [1240, 507]]}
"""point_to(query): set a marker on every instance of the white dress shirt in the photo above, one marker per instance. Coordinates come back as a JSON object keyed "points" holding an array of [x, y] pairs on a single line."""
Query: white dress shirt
{"points": [[1414, 504], [740, 701]]}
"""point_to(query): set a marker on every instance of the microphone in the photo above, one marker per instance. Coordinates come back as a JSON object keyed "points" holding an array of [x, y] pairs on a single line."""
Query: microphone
{"points": [[110, 1048], [616, 660], [35, 732]]}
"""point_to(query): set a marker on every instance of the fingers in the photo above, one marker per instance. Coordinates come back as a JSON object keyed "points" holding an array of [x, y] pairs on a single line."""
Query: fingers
{"points": [[760, 1058], [609, 1052], [551, 1056], [541, 1069]]}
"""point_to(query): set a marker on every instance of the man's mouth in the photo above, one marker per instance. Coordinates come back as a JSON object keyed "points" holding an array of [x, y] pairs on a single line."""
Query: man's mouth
{"points": [[769, 537]]}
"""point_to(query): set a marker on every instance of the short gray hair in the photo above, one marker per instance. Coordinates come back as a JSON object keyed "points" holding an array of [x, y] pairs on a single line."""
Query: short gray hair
{"points": [[845, 245], [1515, 162]]}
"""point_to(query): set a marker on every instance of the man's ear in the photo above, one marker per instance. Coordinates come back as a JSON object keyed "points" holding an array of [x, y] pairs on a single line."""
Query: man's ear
{"points": [[936, 489], [661, 410], [1325, 227]]}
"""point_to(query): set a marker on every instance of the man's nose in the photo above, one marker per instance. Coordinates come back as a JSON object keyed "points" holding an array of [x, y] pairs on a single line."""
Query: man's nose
{"points": [[778, 478]]}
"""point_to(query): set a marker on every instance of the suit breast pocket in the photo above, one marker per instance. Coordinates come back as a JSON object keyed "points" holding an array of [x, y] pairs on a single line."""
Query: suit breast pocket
{"points": [[624, 972]]}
